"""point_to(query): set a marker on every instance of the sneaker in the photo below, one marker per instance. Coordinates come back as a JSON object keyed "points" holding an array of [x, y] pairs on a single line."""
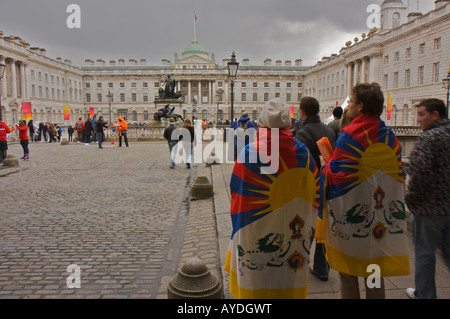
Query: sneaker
{"points": [[410, 293], [171, 166]]}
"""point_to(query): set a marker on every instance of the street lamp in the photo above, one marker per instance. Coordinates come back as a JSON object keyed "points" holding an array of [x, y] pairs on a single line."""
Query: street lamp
{"points": [[2, 73], [110, 99], [233, 67], [447, 86]]}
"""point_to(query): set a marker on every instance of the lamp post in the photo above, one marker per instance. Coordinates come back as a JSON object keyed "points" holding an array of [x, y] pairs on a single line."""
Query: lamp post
{"points": [[2, 73], [447, 86], [218, 100], [233, 67], [110, 97]]}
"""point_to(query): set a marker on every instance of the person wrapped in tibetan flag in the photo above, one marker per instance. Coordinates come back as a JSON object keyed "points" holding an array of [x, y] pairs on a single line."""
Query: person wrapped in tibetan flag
{"points": [[362, 218], [274, 203]]}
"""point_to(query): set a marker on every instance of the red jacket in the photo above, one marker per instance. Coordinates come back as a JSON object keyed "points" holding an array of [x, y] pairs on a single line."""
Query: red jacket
{"points": [[4, 129], [23, 132]]}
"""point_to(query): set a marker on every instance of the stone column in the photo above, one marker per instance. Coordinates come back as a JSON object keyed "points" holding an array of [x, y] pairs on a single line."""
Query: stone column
{"points": [[363, 70], [4, 89], [189, 92], [200, 100], [349, 78], [22, 81], [13, 79], [211, 101], [374, 68]]}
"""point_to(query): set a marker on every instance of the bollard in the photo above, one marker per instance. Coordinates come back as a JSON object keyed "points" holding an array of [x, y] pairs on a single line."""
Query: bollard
{"points": [[11, 161], [64, 141], [194, 281], [201, 188]]}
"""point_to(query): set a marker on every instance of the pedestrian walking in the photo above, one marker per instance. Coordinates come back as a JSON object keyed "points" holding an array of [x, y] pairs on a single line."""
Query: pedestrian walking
{"points": [[23, 137], [4, 131], [172, 142], [311, 131], [188, 144], [31, 129], [88, 131], [100, 125], [362, 217], [273, 212], [428, 196]]}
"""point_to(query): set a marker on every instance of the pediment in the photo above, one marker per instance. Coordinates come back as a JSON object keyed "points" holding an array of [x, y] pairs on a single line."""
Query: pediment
{"points": [[194, 59]]}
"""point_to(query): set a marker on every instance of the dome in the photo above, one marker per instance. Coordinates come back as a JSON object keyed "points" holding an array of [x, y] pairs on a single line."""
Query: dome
{"points": [[194, 47], [387, 2]]}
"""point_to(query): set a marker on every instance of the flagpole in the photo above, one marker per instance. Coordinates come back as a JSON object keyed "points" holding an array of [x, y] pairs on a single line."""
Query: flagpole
{"points": [[195, 27]]}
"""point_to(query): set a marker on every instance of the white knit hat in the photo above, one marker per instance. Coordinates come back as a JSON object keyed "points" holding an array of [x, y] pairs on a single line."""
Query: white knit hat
{"points": [[275, 114]]}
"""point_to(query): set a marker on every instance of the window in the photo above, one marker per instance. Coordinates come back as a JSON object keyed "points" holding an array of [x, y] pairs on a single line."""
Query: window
{"points": [[145, 84], [421, 74], [436, 78], [156, 84], [386, 59], [122, 97], [88, 98], [244, 84], [288, 97], [397, 56], [408, 52], [255, 84], [33, 90], [133, 84], [99, 84], [99, 98], [408, 78], [300, 84], [396, 80], [266, 84], [255, 97], [299, 97], [145, 98], [110, 84], [437, 43], [266, 97], [288, 85], [122, 84], [422, 48], [220, 84], [277, 84], [386, 81], [88, 85], [133, 97], [244, 97]]}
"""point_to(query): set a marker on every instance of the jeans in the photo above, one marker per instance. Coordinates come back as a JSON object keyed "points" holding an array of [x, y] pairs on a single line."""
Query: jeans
{"points": [[99, 136], [124, 134], [172, 149], [429, 233], [321, 267], [24, 144], [188, 151]]}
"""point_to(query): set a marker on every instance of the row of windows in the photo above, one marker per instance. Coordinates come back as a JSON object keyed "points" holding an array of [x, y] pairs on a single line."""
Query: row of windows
{"points": [[134, 97], [408, 52], [58, 95], [52, 79], [194, 84], [421, 75]]}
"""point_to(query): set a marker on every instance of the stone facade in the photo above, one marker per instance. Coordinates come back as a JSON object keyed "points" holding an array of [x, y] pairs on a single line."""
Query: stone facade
{"points": [[409, 60]]}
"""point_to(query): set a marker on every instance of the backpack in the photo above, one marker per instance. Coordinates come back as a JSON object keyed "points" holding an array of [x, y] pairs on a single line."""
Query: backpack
{"points": [[79, 125]]}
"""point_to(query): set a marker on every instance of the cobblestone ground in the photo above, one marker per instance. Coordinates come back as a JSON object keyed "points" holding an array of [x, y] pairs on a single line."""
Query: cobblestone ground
{"points": [[118, 213]]}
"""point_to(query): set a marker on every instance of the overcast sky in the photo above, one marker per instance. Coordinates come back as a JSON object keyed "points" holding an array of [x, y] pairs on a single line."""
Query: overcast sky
{"points": [[156, 29]]}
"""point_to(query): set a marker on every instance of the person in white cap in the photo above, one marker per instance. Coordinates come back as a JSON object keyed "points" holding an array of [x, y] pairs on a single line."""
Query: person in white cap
{"points": [[273, 212]]}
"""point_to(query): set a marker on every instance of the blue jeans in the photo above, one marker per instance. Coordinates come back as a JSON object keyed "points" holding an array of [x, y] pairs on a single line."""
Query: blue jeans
{"points": [[429, 233], [172, 153]]}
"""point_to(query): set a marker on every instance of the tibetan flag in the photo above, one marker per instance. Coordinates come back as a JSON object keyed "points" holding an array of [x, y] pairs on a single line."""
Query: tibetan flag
{"points": [[26, 111], [291, 110], [66, 112], [362, 216], [389, 108], [91, 112], [273, 215]]}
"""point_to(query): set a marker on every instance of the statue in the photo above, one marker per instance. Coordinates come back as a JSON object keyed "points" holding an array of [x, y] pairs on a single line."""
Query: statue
{"points": [[167, 92], [166, 113]]}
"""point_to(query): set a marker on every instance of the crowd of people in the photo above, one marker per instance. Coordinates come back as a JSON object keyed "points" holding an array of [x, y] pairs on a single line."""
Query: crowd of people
{"points": [[352, 202]]}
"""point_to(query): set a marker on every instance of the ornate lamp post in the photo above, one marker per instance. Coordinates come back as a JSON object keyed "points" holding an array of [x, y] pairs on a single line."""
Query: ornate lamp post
{"points": [[233, 67], [447, 86], [2, 73]]}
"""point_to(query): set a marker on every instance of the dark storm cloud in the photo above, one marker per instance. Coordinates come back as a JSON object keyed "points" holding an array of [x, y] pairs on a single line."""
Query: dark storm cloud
{"points": [[156, 29]]}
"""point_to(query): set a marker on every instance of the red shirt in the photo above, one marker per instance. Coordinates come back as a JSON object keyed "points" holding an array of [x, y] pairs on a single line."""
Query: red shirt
{"points": [[23, 132], [4, 129]]}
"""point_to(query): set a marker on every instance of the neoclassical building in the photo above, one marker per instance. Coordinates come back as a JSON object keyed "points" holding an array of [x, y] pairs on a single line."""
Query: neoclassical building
{"points": [[409, 56]]}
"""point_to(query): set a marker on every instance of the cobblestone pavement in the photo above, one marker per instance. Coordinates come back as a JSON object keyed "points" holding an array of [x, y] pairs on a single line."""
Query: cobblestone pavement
{"points": [[120, 214]]}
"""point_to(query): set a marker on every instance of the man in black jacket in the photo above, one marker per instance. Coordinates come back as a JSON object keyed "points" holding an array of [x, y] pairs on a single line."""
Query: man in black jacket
{"points": [[172, 143], [311, 131]]}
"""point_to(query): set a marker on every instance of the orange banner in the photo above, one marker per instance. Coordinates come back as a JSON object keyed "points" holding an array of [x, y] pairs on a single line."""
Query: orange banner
{"points": [[66, 112], [91, 112], [26, 111]]}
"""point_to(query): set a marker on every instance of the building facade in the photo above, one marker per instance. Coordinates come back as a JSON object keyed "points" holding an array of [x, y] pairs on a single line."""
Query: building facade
{"points": [[409, 56]]}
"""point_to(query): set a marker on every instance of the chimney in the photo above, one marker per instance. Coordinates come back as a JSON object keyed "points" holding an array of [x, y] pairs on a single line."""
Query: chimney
{"points": [[88, 62], [267, 62], [121, 62], [288, 63], [298, 62]]}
